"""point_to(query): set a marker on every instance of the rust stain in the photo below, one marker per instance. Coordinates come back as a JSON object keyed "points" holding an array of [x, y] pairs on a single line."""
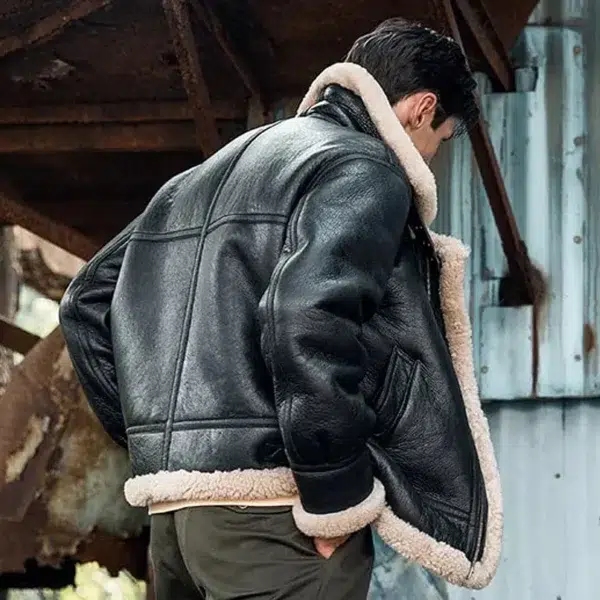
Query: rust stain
{"points": [[61, 476], [589, 339], [37, 427]]}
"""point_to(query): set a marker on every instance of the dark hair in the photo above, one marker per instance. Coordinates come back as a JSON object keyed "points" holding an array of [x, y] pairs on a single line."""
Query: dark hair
{"points": [[406, 57]]}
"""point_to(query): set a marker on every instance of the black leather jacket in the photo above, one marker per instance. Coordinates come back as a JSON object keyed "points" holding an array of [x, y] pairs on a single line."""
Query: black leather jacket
{"points": [[273, 307]]}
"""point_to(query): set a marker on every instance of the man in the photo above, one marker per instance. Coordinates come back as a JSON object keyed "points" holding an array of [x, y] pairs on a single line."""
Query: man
{"points": [[272, 341]]}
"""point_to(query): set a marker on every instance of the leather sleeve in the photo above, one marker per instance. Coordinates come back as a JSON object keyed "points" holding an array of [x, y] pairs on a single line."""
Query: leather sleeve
{"points": [[340, 249], [85, 321]]}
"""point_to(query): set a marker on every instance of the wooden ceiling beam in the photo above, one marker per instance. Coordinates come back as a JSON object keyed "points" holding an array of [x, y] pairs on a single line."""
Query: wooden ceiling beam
{"points": [[16, 339], [118, 112], [50, 26], [194, 82], [207, 14], [15, 211], [108, 137], [482, 29]]}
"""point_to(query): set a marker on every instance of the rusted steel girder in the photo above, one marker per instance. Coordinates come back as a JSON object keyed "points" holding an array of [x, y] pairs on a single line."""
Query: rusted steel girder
{"points": [[486, 37], [525, 283], [61, 476], [177, 13], [50, 26], [526, 277], [14, 211], [16, 339], [239, 61]]}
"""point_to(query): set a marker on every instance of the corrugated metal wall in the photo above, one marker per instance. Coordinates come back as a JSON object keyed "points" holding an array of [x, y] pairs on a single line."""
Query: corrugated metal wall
{"points": [[548, 142], [543, 144], [549, 456]]}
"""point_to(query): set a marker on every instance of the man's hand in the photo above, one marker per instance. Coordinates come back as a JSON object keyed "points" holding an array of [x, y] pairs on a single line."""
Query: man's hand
{"points": [[327, 546]]}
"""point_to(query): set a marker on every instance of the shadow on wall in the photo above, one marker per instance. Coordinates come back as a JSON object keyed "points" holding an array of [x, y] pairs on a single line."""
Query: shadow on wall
{"points": [[394, 578]]}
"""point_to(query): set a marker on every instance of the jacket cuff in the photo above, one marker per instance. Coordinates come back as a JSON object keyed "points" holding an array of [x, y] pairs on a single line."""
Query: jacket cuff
{"points": [[342, 522]]}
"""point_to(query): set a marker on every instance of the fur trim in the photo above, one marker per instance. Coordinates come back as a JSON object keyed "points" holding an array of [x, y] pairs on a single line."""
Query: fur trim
{"points": [[358, 80], [252, 484], [344, 522], [249, 484], [443, 560]]}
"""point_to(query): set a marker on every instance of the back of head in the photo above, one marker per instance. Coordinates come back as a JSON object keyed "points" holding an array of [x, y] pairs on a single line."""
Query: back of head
{"points": [[406, 57]]}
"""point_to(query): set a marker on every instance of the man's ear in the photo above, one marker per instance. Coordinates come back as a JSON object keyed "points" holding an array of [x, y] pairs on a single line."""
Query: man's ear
{"points": [[423, 109]]}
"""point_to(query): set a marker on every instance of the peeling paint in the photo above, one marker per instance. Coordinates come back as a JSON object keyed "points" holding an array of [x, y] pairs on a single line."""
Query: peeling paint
{"points": [[589, 338], [17, 461]]}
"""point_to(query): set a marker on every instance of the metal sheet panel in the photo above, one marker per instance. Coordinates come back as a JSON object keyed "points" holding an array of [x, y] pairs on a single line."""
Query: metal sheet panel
{"points": [[592, 233], [548, 455], [540, 140], [563, 12]]}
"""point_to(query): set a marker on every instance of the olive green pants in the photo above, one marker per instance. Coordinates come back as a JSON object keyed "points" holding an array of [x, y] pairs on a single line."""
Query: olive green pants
{"points": [[219, 553]]}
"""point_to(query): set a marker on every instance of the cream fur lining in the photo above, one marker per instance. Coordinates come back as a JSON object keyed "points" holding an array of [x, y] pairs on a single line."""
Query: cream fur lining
{"points": [[361, 82]]}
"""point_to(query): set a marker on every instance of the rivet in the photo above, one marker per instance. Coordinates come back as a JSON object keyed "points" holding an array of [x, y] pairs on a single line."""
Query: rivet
{"points": [[577, 239], [484, 369]]}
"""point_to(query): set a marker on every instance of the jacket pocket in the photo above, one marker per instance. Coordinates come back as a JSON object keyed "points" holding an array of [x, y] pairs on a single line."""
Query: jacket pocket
{"points": [[394, 395]]}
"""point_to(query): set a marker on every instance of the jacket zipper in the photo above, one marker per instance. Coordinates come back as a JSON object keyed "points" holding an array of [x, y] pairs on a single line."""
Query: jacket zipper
{"points": [[479, 532], [428, 278]]}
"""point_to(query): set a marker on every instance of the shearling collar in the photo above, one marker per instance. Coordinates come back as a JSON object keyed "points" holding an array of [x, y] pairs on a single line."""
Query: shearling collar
{"points": [[359, 81]]}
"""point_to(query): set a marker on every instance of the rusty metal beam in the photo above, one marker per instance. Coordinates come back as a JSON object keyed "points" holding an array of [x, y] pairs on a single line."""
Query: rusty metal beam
{"points": [[178, 20], [207, 14], [15, 211], [16, 339], [61, 476], [520, 266], [38, 275], [118, 112], [480, 25], [515, 250], [50, 26], [108, 137]]}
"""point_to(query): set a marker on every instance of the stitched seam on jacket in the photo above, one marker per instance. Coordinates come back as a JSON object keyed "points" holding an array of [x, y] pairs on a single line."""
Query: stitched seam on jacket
{"points": [[201, 424], [184, 339], [246, 218], [446, 508], [92, 267]]}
